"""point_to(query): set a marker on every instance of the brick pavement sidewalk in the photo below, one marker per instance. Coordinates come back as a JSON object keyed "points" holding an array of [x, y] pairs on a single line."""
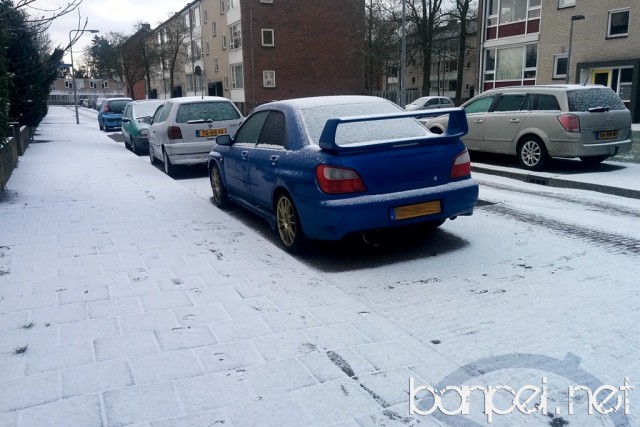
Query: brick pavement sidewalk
{"points": [[125, 299]]}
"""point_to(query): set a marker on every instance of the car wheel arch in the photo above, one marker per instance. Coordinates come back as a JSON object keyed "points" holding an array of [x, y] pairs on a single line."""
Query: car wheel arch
{"points": [[529, 133]]}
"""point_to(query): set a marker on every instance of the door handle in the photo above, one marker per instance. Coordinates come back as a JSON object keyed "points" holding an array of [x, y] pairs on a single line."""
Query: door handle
{"points": [[244, 154], [514, 121], [478, 121], [274, 158]]}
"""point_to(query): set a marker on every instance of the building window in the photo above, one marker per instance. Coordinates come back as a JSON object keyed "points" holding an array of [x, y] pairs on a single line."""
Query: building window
{"points": [[236, 76], [216, 65], [214, 29], [268, 78], [618, 23], [206, 45], [514, 63], [560, 66], [105, 85], [205, 17], [224, 41], [222, 7], [266, 1], [225, 79], [197, 49], [267, 37], [236, 37], [513, 11], [230, 5], [566, 3], [466, 88], [68, 84], [93, 85]]}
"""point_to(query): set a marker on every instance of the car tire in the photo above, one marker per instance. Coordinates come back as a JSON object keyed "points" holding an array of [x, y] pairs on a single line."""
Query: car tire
{"points": [[100, 125], [593, 160], [217, 187], [532, 154], [288, 224], [152, 158], [169, 169], [134, 149]]}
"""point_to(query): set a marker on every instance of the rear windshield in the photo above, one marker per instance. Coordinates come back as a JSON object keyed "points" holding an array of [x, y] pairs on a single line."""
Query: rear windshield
{"points": [[583, 100], [370, 131], [118, 105], [214, 110]]}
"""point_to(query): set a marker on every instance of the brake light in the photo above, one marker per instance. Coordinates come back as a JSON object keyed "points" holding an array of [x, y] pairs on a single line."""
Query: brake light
{"points": [[461, 166], [106, 107], [338, 180], [570, 122], [174, 132]]}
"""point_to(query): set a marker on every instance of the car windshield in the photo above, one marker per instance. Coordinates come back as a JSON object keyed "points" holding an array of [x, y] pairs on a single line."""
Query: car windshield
{"points": [[146, 109], [214, 110], [118, 105], [584, 99], [352, 133]]}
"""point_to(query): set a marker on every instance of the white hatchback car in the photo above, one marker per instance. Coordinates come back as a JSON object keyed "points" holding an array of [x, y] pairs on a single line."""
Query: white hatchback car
{"points": [[183, 130]]}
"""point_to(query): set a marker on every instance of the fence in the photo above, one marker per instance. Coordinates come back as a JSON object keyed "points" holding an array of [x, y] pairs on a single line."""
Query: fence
{"points": [[11, 149]]}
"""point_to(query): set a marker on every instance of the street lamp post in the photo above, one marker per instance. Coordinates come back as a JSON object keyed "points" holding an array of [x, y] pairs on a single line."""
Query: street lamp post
{"points": [[573, 18], [73, 77]]}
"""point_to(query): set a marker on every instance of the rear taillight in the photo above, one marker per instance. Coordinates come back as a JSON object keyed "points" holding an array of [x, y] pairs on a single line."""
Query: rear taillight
{"points": [[338, 180], [570, 122], [461, 166], [174, 132], [106, 107]]}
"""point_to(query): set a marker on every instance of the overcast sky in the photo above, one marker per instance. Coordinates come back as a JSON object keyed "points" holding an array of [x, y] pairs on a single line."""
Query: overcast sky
{"points": [[103, 15]]}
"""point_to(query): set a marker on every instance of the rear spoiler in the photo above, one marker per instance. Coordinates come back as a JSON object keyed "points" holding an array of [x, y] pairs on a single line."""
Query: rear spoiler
{"points": [[456, 127]]}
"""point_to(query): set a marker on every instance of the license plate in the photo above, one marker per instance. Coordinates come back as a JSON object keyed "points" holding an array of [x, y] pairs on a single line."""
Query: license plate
{"points": [[609, 134], [413, 211], [203, 133]]}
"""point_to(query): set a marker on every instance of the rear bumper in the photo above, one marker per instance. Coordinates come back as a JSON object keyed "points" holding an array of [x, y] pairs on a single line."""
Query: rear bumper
{"points": [[334, 219], [189, 153], [575, 148]]}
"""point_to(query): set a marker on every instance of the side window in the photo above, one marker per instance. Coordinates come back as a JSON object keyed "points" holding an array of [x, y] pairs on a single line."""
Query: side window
{"points": [[250, 130], [127, 111], [510, 102], [433, 101], [273, 131], [157, 114], [479, 105], [545, 103], [165, 112], [445, 101]]}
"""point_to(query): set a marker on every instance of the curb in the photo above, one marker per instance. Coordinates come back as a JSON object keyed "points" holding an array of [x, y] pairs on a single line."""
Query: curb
{"points": [[559, 182]]}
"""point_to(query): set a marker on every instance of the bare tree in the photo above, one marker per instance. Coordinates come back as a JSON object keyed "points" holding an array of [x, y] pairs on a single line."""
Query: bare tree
{"points": [[466, 14], [174, 36]]}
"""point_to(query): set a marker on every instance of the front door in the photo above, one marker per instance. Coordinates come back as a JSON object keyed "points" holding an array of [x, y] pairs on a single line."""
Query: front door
{"points": [[504, 121]]}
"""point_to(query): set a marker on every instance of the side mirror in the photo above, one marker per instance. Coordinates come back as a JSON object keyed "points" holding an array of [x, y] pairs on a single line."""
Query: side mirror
{"points": [[125, 120], [223, 139]]}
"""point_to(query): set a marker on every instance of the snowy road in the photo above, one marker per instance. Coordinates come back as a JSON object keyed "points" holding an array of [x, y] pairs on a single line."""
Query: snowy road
{"points": [[539, 285]]}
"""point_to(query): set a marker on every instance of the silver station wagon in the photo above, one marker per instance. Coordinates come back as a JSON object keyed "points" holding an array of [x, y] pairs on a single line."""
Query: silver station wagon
{"points": [[539, 122]]}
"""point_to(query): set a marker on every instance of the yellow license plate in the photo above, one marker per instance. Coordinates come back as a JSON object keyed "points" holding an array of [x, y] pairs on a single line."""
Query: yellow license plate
{"points": [[203, 133], [608, 135], [419, 209]]}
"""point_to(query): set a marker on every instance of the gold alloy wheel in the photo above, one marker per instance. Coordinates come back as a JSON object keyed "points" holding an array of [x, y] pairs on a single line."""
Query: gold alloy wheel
{"points": [[216, 185], [286, 221]]}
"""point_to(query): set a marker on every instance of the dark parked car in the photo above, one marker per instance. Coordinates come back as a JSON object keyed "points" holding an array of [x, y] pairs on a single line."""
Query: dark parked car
{"points": [[110, 112], [325, 167]]}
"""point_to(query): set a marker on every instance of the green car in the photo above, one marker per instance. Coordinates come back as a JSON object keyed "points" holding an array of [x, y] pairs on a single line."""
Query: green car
{"points": [[136, 119]]}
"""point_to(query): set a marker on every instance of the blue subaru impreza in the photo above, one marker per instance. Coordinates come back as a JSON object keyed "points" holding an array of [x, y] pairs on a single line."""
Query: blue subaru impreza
{"points": [[325, 167]]}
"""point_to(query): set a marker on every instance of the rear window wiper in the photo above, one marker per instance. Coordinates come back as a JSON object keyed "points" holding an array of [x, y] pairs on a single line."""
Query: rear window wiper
{"points": [[599, 109], [199, 121]]}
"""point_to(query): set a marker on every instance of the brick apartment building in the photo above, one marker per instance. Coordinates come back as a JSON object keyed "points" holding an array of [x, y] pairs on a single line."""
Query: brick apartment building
{"points": [[526, 42], [256, 51]]}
